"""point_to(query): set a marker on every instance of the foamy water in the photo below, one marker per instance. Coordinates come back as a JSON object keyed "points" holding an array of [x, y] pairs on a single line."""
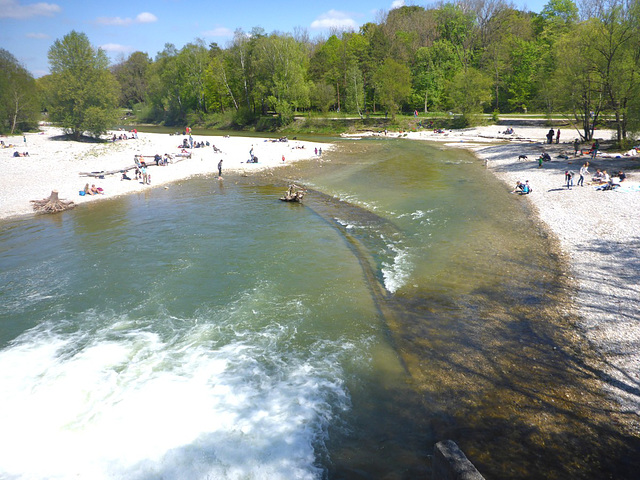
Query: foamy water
{"points": [[129, 404]]}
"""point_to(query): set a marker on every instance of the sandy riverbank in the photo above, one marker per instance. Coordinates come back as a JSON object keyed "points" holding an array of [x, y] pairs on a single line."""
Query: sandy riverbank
{"points": [[56, 164]]}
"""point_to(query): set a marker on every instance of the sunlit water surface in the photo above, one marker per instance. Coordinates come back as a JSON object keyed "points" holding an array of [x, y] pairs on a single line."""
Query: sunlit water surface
{"points": [[209, 330]]}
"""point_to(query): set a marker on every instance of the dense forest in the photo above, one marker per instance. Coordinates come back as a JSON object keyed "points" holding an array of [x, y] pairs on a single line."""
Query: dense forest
{"points": [[473, 56]]}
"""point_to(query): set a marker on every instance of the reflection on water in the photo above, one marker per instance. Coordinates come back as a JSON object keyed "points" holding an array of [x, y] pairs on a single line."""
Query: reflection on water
{"points": [[479, 314], [211, 331]]}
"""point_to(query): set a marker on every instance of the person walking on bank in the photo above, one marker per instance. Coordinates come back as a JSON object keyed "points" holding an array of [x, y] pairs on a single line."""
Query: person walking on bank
{"points": [[550, 134], [584, 171], [576, 147], [220, 169], [558, 136], [594, 148], [568, 176]]}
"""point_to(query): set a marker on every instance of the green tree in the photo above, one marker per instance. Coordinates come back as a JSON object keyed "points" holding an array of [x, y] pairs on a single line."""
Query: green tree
{"points": [[560, 12], [18, 97], [323, 96], [132, 75], [327, 64], [457, 26], [616, 42], [525, 59], [280, 64], [192, 62], [393, 85], [354, 98], [470, 91], [434, 67], [578, 86], [84, 93], [503, 32], [218, 94]]}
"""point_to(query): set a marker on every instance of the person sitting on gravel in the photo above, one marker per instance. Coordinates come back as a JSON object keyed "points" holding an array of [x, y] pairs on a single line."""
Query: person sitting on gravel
{"points": [[522, 188], [598, 177], [518, 187]]}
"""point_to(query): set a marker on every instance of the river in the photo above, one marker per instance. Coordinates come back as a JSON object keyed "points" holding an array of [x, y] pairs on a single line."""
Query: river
{"points": [[208, 330]]}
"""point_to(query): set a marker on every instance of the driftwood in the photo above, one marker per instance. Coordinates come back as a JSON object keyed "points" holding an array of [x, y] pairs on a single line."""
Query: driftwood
{"points": [[175, 158], [294, 194], [52, 204], [110, 172]]}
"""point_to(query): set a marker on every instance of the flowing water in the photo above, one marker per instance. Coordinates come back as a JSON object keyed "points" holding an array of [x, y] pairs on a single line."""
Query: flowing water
{"points": [[209, 331]]}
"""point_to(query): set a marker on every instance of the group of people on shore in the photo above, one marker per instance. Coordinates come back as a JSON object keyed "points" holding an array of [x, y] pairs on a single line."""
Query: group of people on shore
{"points": [[93, 190], [595, 146], [522, 188], [550, 135], [601, 178]]}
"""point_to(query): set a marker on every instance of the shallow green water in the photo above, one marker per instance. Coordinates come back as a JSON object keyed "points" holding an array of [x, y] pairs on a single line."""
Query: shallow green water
{"points": [[211, 331]]}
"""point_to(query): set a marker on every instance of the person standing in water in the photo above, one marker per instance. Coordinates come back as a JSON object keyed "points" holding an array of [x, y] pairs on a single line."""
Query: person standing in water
{"points": [[220, 169]]}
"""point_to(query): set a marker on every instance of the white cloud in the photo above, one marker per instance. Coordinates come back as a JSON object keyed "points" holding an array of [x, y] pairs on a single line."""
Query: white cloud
{"points": [[397, 4], [144, 17], [38, 36], [114, 21], [334, 19], [14, 9], [218, 32], [116, 48]]}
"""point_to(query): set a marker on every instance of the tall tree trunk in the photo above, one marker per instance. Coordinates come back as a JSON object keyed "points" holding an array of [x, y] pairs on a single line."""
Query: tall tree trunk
{"points": [[14, 120]]}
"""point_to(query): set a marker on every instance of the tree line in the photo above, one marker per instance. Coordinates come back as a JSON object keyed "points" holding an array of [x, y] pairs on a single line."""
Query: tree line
{"points": [[467, 57]]}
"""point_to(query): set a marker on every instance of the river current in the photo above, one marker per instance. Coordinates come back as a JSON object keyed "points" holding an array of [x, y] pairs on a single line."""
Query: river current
{"points": [[209, 330]]}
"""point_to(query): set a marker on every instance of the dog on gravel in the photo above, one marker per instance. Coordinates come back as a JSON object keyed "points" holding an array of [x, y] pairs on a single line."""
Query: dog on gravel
{"points": [[522, 157]]}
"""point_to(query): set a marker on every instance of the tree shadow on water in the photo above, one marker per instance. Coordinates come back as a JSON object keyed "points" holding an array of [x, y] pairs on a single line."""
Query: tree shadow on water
{"points": [[504, 372]]}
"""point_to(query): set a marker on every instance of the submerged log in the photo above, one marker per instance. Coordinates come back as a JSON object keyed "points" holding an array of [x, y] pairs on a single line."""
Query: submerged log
{"points": [[52, 204]]}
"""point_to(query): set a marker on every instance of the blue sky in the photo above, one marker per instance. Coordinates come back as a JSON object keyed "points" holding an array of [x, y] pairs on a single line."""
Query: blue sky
{"points": [[28, 28]]}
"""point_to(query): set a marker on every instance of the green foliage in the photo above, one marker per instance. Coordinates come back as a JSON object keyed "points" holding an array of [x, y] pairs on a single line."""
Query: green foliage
{"points": [[525, 63], [18, 96], [434, 67], [132, 77], [465, 57], [393, 85], [83, 94], [469, 91], [243, 117], [322, 95]]}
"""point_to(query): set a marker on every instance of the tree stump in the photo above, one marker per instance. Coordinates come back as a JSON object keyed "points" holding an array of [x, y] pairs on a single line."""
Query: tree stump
{"points": [[294, 194], [52, 204]]}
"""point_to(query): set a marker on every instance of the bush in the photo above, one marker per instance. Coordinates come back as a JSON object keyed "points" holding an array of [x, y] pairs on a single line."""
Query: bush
{"points": [[461, 121], [267, 124], [243, 117], [219, 120]]}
